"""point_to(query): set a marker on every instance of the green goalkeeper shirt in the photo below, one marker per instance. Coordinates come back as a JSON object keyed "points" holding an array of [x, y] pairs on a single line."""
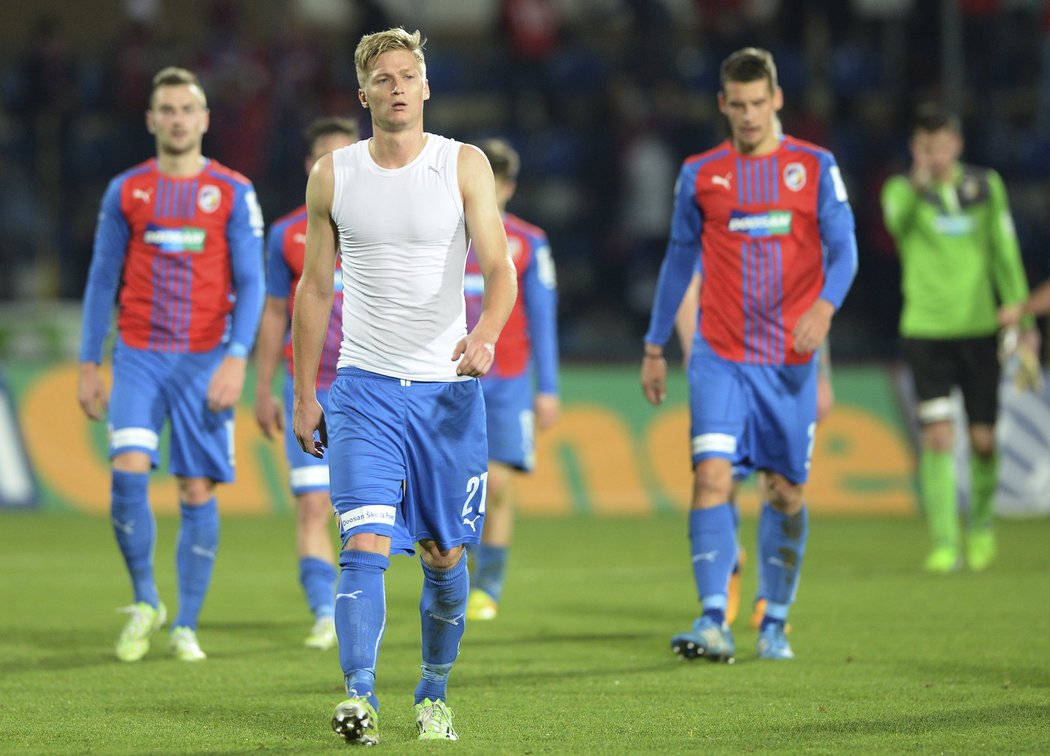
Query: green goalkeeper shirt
{"points": [[959, 253]]}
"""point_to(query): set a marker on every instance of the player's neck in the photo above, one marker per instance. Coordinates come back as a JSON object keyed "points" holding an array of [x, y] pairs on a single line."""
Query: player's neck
{"points": [[767, 146], [188, 164], [397, 149]]}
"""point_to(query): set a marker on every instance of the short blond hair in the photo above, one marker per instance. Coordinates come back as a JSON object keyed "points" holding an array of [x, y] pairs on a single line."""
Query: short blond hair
{"points": [[372, 46], [173, 76]]}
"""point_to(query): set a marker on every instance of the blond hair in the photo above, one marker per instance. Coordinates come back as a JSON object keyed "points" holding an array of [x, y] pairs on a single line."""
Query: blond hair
{"points": [[372, 46], [173, 76]]}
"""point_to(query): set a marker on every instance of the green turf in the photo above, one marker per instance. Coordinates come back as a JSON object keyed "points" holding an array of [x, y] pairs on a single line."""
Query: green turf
{"points": [[889, 659]]}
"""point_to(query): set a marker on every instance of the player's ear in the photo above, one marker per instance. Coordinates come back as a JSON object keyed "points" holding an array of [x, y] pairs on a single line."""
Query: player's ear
{"points": [[426, 89], [778, 99], [149, 122], [363, 100]]}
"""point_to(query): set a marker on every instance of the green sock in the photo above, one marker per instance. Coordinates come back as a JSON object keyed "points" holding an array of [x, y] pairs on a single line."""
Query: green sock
{"points": [[937, 487], [984, 476]]}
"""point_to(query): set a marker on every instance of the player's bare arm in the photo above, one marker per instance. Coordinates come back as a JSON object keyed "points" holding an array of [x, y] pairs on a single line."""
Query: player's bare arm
{"points": [[812, 328], [476, 352], [313, 305], [91, 391], [272, 330]]}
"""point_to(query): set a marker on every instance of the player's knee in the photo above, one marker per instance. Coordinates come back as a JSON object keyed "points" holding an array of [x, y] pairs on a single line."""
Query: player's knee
{"points": [[982, 440], [784, 495], [938, 436], [132, 461], [712, 482], [437, 558], [196, 491]]}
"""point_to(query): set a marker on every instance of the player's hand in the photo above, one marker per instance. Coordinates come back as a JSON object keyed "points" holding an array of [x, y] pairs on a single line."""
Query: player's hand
{"points": [[91, 391], [547, 407], [226, 384], [654, 378], [269, 414], [1010, 315], [308, 418], [475, 355], [920, 175], [812, 328]]}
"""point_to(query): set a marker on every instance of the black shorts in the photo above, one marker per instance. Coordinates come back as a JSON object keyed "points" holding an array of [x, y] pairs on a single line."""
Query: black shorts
{"points": [[971, 364]]}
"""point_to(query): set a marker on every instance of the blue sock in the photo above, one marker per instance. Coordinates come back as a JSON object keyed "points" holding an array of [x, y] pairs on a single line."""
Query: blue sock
{"points": [[136, 531], [442, 611], [490, 569], [781, 546], [360, 619], [712, 540], [195, 558], [318, 580]]}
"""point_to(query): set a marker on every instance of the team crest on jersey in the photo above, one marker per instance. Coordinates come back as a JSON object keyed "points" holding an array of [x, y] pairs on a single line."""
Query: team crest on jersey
{"points": [[208, 198], [794, 176]]}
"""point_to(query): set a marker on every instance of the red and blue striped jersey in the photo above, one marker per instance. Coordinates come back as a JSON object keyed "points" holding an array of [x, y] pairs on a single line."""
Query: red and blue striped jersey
{"points": [[285, 249], [531, 332], [773, 233], [186, 253]]}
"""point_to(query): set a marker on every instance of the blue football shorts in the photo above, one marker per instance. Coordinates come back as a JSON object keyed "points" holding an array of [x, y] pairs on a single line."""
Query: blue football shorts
{"points": [[759, 417], [305, 471], [152, 387], [411, 452], [511, 420]]}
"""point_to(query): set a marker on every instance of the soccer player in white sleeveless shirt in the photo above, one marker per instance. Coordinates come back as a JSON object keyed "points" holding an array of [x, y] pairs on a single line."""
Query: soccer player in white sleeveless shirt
{"points": [[406, 424]]}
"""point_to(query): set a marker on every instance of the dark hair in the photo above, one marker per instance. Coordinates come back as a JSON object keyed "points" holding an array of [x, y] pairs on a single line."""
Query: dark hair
{"points": [[747, 65], [502, 157], [931, 116], [322, 127]]}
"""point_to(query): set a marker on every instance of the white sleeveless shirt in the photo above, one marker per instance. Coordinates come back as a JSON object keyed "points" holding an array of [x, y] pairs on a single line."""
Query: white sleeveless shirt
{"points": [[403, 247]]}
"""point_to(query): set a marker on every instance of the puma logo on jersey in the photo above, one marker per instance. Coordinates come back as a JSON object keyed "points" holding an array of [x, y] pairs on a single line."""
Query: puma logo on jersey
{"points": [[471, 522], [142, 194], [722, 180]]}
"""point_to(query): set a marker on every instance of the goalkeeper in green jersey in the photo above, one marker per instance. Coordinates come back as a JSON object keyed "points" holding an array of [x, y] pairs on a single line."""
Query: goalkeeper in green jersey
{"points": [[960, 267]]}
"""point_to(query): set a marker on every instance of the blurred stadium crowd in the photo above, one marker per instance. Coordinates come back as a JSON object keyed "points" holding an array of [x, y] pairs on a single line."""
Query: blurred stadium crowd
{"points": [[603, 98]]}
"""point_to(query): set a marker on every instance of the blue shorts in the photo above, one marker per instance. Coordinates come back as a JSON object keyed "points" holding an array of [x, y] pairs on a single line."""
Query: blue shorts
{"points": [[759, 417], [305, 471], [511, 420], [407, 451], [152, 387]]}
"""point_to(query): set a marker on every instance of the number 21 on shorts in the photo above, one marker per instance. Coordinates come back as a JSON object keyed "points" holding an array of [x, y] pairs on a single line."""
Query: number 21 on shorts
{"points": [[477, 483]]}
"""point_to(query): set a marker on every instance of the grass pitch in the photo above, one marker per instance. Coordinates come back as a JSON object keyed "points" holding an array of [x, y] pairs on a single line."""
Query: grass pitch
{"points": [[889, 660]]}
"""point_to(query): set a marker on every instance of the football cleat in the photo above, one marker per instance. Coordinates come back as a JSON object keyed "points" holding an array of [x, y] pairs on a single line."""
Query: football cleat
{"points": [[133, 642], [708, 639], [773, 643], [185, 646], [434, 720], [481, 606], [758, 613], [981, 549], [356, 721], [322, 636], [942, 560]]}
